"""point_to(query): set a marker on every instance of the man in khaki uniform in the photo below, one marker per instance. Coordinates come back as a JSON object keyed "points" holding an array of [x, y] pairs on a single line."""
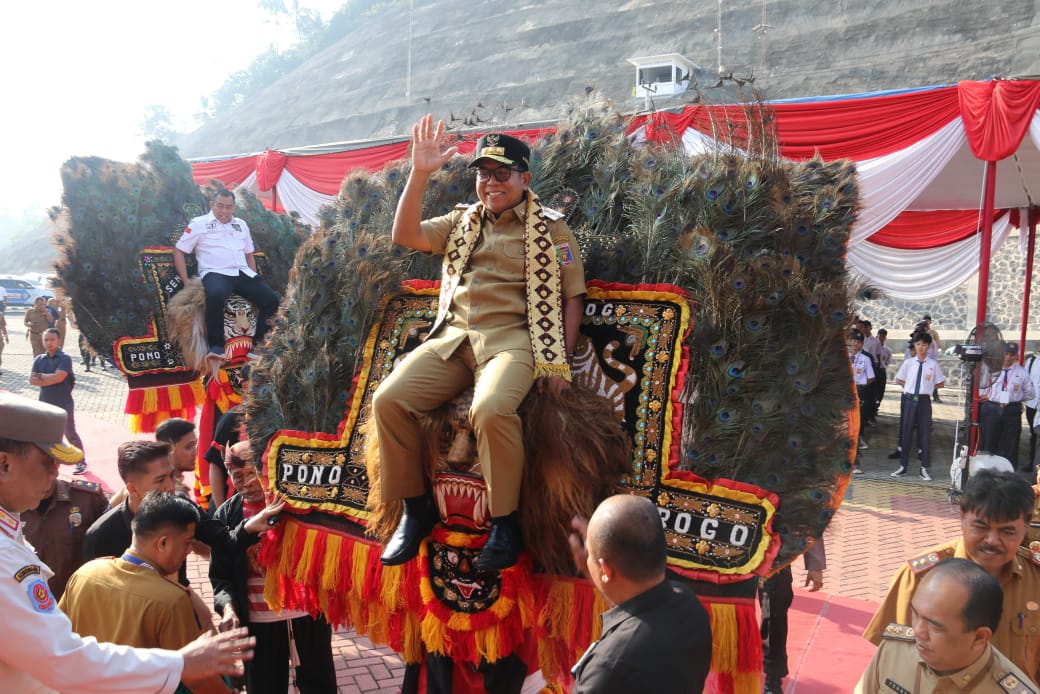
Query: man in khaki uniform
{"points": [[1033, 531], [4, 339], [37, 319], [57, 527], [510, 308], [995, 512], [956, 608]]}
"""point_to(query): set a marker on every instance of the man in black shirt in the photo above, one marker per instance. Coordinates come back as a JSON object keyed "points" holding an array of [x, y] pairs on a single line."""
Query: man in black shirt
{"points": [[145, 466], [657, 638]]}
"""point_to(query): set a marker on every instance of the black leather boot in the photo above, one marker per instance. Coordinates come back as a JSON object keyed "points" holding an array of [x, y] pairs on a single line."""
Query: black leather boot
{"points": [[416, 523], [503, 545]]}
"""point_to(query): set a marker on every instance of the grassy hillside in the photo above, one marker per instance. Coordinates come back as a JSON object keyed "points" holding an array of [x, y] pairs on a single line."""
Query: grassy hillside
{"points": [[25, 244]]}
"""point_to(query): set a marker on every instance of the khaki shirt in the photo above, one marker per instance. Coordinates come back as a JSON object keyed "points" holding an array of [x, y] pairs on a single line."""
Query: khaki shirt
{"points": [[1018, 634], [490, 304], [1033, 531], [38, 321], [57, 531], [897, 667]]}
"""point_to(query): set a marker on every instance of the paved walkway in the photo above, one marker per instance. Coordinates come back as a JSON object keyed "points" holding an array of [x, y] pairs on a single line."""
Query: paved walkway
{"points": [[881, 522]]}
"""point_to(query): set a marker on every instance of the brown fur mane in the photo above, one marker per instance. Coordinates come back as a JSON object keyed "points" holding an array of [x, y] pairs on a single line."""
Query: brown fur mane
{"points": [[186, 324]]}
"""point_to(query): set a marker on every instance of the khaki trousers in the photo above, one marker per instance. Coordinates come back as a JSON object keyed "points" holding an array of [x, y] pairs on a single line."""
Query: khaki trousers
{"points": [[423, 382], [36, 340]]}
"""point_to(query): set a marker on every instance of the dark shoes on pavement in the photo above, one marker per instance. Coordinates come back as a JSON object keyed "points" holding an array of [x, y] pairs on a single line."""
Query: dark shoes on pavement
{"points": [[416, 523], [503, 545], [774, 685]]}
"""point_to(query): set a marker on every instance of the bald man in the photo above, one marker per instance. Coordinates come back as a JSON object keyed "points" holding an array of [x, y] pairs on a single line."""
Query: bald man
{"points": [[956, 609], [657, 637]]}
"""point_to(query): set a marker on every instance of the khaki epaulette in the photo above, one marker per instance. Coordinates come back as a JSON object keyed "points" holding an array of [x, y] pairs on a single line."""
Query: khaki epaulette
{"points": [[923, 562], [550, 213], [1012, 685], [898, 632], [87, 486], [1034, 554]]}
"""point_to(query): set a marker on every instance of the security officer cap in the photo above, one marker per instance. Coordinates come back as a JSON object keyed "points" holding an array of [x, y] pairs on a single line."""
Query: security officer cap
{"points": [[37, 423]]}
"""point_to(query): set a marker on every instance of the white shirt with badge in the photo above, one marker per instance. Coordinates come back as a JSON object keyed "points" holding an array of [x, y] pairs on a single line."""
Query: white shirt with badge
{"points": [[218, 247], [862, 368], [1009, 385], [42, 654], [931, 375]]}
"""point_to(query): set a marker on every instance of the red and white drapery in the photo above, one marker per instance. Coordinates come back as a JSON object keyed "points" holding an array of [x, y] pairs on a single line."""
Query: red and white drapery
{"points": [[304, 179], [920, 154]]}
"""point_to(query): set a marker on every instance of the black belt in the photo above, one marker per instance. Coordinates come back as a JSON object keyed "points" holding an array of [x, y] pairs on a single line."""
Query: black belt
{"points": [[1002, 405], [911, 396]]}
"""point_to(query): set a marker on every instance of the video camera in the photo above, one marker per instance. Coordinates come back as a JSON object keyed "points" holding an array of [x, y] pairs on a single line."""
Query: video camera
{"points": [[968, 352]]}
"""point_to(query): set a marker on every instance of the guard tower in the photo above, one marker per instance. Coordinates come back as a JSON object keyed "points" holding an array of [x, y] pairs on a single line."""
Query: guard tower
{"points": [[667, 74]]}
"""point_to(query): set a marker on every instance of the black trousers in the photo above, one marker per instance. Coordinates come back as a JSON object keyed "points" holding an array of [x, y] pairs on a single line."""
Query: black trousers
{"points": [[775, 597], [220, 287], [1030, 415], [865, 397], [268, 671], [879, 387], [917, 414], [1001, 429]]}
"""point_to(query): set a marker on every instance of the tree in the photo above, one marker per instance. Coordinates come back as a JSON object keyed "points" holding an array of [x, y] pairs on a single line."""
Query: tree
{"points": [[157, 123]]}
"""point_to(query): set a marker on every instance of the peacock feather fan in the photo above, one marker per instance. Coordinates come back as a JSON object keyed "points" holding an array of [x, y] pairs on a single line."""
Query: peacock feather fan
{"points": [[112, 210], [757, 242]]}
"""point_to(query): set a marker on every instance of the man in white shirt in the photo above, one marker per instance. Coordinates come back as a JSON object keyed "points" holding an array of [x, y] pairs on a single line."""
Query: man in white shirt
{"points": [[1000, 415], [223, 249], [919, 377], [42, 654], [1033, 369], [863, 375]]}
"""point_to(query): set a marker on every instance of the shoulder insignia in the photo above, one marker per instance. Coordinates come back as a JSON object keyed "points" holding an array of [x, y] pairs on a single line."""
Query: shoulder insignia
{"points": [[896, 687], [564, 254], [26, 571], [922, 563], [87, 486], [898, 632], [462, 206], [40, 597], [551, 214], [1010, 683]]}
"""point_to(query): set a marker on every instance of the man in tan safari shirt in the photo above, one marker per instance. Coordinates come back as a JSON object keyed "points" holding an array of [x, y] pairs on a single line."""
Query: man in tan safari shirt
{"points": [[511, 304], [37, 319], [995, 512]]}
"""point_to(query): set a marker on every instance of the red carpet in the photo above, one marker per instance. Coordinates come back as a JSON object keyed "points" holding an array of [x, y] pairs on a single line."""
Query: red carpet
{"points": [[100, 440], [826, 654]]}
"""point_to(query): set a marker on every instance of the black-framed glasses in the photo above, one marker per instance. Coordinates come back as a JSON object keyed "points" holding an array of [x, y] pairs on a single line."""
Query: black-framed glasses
{"points": [[501, 174]]}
